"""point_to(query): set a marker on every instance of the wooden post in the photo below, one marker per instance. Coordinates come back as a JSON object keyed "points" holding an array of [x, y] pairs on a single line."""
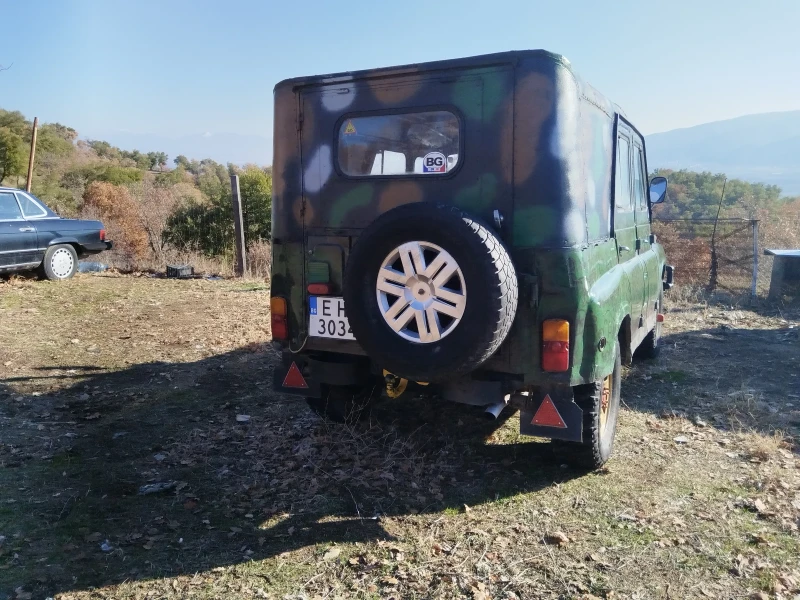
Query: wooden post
{"points": [[238, 226], [753, 287], [33, 155]]}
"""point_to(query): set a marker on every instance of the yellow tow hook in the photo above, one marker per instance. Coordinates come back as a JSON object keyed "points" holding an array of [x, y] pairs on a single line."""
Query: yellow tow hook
{"points": [[395, 386]]}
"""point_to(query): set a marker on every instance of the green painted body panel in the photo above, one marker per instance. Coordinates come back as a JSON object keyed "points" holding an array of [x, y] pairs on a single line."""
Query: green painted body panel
{"points": [[537, 144]]}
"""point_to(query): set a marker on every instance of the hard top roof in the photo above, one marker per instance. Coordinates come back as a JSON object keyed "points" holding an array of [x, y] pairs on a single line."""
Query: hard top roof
{"points": [[483, 60], [477, 61]]}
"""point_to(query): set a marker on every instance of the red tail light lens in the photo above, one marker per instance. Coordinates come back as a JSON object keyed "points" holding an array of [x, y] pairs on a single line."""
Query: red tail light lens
{"points": [[102, 235], [319, 289], [555, 345], [279, 318]]}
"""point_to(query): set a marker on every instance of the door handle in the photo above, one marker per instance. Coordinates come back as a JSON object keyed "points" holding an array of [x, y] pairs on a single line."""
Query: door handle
{"points": [[27, 229], [624, 249]]}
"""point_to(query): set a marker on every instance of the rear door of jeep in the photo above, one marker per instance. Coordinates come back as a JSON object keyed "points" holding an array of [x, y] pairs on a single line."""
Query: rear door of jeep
{"points": [[370, 144]]}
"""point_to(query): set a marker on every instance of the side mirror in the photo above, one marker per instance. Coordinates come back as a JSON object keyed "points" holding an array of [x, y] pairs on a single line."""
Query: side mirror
{"points": [[658, 190]]}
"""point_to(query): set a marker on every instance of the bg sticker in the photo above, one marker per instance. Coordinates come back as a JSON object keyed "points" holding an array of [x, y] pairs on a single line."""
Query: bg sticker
{"points": [[350, 129], [434, 162]]}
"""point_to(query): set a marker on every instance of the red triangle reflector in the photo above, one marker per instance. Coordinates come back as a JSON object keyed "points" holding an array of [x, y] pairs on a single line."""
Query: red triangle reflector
{"points": [[294, 378], [548, 415]]}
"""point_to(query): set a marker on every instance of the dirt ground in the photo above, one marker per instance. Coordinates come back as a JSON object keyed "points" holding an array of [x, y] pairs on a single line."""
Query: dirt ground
{"points": [[144, 455]]}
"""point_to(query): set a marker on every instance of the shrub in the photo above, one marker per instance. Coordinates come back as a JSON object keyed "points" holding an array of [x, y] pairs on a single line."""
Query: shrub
{"points": [[121, 217]]}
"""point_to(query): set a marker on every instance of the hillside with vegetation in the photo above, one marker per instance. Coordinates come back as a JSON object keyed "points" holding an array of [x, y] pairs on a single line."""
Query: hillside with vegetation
{"points": [[157, 210], [160, 209]]}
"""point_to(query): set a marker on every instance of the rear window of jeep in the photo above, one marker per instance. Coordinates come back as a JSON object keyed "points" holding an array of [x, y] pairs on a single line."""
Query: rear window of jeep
{"points": [[415, 143]]}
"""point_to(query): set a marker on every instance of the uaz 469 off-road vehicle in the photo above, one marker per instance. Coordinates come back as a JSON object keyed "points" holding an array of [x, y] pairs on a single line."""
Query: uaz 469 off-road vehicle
{"points": [[478, 229]]}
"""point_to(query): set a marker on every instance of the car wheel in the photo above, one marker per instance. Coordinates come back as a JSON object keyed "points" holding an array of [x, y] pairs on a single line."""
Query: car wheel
{"points": [[430, 293], [345, 404], [600, 404], [650, 346], [60, 262]]}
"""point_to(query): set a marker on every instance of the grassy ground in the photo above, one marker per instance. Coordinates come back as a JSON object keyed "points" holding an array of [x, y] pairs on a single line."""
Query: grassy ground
{"points": [[108, 384]]}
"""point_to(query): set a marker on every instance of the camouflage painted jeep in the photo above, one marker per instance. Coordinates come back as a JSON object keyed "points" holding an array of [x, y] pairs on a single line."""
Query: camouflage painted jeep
{"points": [[477, 230]]}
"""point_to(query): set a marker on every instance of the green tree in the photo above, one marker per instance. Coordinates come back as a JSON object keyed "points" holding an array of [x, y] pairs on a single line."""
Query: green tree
{"points": [[80, 177], [12, 154], [170, 178], [697, 195], [104, 149], [208, 226], [56, 139], [142, 161], [16, 122], [182, 161], [256, 189], [157, 159]]}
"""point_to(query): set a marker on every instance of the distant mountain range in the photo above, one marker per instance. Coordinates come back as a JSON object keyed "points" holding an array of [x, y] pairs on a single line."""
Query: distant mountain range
{"points": [[763, 147]]}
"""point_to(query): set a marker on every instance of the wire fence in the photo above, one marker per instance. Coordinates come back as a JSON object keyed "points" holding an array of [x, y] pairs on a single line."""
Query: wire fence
{"points": [[726, 256]]}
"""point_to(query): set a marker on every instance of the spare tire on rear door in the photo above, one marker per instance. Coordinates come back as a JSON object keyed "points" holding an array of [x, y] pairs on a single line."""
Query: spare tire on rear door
{"points": [[430, 292]]}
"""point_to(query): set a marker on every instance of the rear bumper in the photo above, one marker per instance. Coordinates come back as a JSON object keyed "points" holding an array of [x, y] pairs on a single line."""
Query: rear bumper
{"points": [[305, 374], [97, 247]]}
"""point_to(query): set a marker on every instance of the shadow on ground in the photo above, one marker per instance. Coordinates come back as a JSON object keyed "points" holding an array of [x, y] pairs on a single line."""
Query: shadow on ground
{"points": [[246, 474], [730, 377], [72, 464]]}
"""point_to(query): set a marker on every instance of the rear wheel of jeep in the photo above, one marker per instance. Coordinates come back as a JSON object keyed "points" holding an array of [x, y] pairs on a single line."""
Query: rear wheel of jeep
{"points": [[430, 293], [600, 404], [345, 404]]}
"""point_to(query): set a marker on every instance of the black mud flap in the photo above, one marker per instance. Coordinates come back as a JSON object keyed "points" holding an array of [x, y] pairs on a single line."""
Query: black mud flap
{"points": [[294, 376], [669, 270], [552, 414]]}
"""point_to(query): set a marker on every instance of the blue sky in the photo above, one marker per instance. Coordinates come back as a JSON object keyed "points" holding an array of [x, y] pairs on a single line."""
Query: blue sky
{"points": [[179, 67]]}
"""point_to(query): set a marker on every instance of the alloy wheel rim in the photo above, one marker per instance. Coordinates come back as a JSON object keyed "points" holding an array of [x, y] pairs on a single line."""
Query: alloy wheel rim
{"points": [[62, 263], [421, 292]]}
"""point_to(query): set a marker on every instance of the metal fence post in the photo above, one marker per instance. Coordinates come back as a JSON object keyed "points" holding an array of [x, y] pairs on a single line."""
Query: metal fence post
{"points": [[238, 226], [754, 286]]}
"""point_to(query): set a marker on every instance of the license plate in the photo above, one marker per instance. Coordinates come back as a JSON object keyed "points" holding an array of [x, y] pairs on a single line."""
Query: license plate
{"points": [[327, 318]]}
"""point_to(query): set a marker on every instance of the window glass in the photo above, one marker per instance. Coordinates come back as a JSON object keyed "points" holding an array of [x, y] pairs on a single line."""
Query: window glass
{"points": [[424, 143], [623, 183], [638, 179], [29, 207], [9, 209]]}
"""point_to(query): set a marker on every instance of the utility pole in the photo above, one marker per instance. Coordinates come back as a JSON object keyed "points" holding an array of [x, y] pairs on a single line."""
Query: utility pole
{"points": [[238, 226], [33, 155]]}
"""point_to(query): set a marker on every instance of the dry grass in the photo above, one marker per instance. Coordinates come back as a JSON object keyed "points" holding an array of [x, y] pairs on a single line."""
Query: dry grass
{"points": [[133, 381]]}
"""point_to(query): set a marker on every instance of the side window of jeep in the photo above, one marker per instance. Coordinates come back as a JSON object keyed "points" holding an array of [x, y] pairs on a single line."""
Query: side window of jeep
{"points": [[622, 195], [639, 192]]}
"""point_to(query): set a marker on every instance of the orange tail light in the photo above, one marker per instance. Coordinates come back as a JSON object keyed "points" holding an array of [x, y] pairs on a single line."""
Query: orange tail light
{"points": [[555, 345], [279, 318]]}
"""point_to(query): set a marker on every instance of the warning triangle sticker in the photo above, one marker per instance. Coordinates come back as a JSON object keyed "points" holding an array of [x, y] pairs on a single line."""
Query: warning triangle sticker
{"points": [[294, 378], [548, 415], [350, 129]]}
